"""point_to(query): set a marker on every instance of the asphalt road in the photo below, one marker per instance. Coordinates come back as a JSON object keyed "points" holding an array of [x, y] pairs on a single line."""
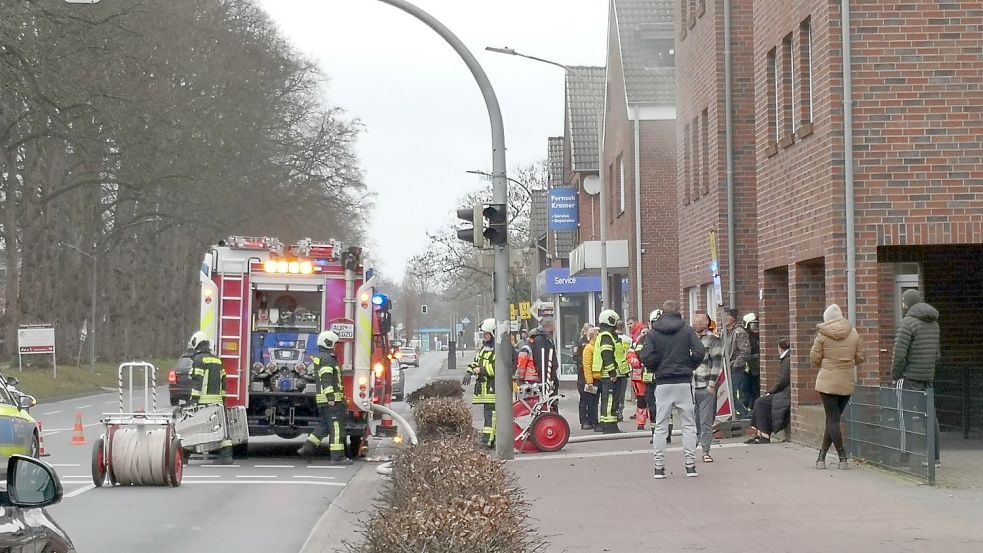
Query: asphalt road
{"points": [[269, 501]]}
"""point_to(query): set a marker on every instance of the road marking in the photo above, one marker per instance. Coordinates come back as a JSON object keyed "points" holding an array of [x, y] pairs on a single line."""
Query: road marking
{"points": [[280, 482], [80, 491], [50, 413], [111, 403], [65, 464], [85, 406], [547, 456], [256, 476], [216, 466], [273, 466], [202, 476], [325, 467], [318, 477]]}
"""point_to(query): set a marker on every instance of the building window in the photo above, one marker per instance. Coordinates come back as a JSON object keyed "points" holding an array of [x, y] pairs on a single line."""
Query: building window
{"points": [[772, 96], [788, 86], [621, 185], [697, 166], [705, 149], [805, 70], [694, 303], [687, 164], [609, 183], [658, 52]]}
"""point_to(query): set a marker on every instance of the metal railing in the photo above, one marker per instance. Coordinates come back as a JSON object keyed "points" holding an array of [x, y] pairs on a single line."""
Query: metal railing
{"points": [[959, 400], [894, 429]]}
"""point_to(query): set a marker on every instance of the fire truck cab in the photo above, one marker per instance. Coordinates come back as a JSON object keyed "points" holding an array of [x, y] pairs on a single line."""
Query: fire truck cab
{"points": [[263, 305]]}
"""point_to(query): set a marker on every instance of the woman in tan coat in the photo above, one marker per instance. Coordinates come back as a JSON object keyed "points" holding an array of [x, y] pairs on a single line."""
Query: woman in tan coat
{"points": [[837, 351]]}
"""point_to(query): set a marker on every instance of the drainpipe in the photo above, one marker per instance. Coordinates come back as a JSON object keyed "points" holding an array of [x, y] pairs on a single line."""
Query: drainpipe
{"points": [[638, 223], [729, 130], [851, 239]]}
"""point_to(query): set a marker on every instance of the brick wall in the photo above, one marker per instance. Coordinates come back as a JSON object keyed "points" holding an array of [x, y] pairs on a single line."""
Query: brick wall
{"points": [[660, 261], [774, 321], [701, 185], [807, 300]]}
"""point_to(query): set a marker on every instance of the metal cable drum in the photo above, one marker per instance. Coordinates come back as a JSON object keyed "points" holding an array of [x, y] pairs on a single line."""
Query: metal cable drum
{"points": [[138, 456]]}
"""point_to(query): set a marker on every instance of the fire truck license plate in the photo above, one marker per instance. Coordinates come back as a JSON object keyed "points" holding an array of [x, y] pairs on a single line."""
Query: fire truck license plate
{"points": [[345, 331]]}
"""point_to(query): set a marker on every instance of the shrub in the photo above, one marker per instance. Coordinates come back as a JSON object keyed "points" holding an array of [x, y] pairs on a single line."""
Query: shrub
{"points": [[437, 418], [449, 496], [437, 388]]}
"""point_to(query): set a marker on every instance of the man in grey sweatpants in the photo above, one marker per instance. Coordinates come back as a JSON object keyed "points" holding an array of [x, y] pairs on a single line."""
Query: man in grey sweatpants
{"points": [[672, 350]]}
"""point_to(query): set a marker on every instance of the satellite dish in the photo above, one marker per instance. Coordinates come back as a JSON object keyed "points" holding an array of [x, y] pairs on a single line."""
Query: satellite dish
{"points": [[592, 185]]}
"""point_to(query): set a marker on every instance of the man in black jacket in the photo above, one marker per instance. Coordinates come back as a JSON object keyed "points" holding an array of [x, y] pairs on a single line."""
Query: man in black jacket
{"points": [[672, 350], [916, 354]]}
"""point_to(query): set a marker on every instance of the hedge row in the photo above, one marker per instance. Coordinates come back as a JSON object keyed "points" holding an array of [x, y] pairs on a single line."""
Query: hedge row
{"points": [[447, 495]]}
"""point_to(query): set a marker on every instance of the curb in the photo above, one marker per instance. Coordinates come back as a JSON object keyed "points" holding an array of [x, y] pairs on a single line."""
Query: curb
{"points": [[336, 525]]}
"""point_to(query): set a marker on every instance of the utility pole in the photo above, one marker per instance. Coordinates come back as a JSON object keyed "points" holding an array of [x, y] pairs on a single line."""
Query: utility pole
{"points": [[503, 379], [91, 329]]}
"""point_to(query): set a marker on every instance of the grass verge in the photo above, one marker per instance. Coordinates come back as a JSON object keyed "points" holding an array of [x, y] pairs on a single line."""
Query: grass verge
{"points": [[75, 381]]}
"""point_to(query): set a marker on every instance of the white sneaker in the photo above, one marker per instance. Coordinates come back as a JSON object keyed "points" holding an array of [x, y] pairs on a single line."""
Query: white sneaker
{"points": [[691, 471]]}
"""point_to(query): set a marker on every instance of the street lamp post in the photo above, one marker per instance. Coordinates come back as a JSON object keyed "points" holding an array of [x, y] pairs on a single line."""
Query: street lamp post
{"points": [[605, 300], [503, 380], [95, 288]]}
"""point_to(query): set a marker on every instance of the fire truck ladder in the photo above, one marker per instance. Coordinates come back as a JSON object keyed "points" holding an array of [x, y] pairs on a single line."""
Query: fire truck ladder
{"points": [[230, 340]]}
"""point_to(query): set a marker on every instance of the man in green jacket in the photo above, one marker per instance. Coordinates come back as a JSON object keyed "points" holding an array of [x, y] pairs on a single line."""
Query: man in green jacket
{"points": [[916, 354]]}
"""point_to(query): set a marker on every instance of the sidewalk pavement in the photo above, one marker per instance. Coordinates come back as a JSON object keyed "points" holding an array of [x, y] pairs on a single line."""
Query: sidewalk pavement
{"points": [[765, 498]]}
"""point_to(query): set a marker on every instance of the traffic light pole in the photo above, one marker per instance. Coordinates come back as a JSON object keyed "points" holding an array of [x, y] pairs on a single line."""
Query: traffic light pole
{"points": [[503, 373]]}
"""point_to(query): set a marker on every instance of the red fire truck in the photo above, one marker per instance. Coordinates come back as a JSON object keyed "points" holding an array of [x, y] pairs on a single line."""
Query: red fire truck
{"points": [[263, 305]]}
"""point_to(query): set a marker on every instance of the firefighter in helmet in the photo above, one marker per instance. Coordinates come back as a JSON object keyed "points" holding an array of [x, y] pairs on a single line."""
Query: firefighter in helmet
{"points": [[208, 384], [331, 405], [483, 367], [609, 365]]}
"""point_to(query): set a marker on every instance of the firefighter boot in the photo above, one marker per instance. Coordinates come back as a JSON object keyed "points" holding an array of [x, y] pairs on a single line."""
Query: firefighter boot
{"points": [[338, 458], [224, 456], [308, 449]]}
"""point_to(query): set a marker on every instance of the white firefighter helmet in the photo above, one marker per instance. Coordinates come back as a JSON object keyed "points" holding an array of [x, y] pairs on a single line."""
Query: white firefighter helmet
{"points": [[488, 325], [655, 315], [327, 339], [197, 338], [749, 319], [608, 317]]}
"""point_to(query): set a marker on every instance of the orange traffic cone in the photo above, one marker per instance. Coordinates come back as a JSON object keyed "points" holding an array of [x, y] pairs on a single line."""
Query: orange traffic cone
{"points": [[41, 451], [79, 437]]}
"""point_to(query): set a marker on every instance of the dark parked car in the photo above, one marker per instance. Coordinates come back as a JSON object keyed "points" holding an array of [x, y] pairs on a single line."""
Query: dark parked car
{"points": [[25, 526], [179, 381]]}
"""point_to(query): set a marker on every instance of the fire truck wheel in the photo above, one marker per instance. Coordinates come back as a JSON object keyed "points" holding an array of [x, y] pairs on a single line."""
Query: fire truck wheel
{"points": [[550, 432], [99, 463], [240, 451], [175, 463]]}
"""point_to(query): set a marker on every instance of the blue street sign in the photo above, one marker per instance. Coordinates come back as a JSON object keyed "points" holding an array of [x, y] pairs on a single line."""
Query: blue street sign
{"points": [[559, 281], [563, 211]]}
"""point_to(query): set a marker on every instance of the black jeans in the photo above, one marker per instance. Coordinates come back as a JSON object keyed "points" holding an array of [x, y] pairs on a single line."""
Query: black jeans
{"points": [[588, 403], [834, 405]]}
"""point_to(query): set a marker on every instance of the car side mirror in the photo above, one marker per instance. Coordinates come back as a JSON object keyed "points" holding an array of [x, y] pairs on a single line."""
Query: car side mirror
{"points": [[32, 482], [25, 402]]}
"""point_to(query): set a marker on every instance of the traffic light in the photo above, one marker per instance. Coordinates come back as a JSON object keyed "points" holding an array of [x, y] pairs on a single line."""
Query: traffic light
{"points": [[473, 217], [382, 301], [497, 231]]}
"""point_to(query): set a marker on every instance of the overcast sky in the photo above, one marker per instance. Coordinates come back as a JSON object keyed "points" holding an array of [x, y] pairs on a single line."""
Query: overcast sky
{"points": [[424, 121]]}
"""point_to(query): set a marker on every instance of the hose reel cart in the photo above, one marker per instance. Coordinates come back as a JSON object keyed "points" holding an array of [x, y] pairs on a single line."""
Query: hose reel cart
{"points": [[140, 446]]}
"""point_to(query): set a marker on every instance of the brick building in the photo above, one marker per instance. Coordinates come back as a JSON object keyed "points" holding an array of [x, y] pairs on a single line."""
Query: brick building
{"points": [[638, 154], [918, 174], [701, 145]]}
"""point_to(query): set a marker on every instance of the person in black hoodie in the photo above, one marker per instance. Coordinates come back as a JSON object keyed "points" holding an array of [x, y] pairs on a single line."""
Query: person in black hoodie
{"points": [[672, 351]]}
